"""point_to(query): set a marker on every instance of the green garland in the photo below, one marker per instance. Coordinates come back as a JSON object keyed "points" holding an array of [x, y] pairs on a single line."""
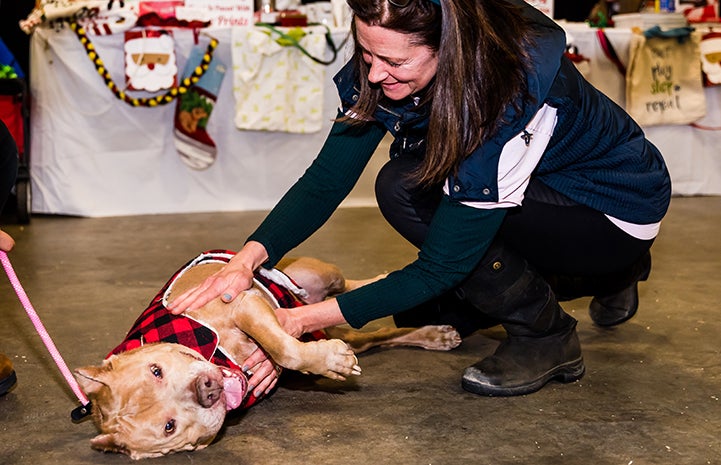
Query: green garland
{"points": [[166, 98]]}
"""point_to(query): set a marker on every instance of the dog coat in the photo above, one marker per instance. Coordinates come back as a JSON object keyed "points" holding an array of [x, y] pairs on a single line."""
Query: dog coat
{"points": [[157, 324]]}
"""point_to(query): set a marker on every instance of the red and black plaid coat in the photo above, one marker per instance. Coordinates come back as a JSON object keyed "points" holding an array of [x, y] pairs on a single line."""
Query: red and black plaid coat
{"points": [[157, 324]]}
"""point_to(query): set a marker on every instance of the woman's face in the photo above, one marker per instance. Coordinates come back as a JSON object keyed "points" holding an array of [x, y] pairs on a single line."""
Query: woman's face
{"points": [[400, 68]]}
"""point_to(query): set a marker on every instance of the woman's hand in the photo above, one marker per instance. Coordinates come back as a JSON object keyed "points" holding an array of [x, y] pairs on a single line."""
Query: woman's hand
{"points": [[235, 277], [226, 283], [265, 373], [290, 324]]}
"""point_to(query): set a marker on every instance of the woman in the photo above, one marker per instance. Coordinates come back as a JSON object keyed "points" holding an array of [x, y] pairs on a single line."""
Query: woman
{"points": [[519, 183]]}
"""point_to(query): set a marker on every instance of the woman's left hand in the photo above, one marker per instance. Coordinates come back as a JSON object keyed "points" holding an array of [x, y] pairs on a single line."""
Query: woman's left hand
{"points": [[265, 373]]}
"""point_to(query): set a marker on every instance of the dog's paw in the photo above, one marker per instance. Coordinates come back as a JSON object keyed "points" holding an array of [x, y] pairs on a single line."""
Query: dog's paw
{"points": [[332, 358], [437, 337]]}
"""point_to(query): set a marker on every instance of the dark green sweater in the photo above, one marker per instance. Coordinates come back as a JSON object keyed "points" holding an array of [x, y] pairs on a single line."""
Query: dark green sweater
{"points": [[457, 239]]}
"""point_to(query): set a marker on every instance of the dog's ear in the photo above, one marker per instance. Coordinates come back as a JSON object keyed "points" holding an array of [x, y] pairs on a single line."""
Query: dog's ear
{"points": [[90, 377], [107, 443]]}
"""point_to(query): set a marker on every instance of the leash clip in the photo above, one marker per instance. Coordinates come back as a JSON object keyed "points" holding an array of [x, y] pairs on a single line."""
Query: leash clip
{"points": [[80, 413]]}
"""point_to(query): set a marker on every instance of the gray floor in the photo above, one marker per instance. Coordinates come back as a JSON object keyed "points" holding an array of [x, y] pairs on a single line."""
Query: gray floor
{"points": [[651, 395]]}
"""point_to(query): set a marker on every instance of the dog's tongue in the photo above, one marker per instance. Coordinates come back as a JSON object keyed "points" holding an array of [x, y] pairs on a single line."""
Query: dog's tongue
{"points": [[235, 387]]}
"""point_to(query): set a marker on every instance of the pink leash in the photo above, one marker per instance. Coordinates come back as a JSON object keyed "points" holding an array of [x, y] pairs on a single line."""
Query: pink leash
{"points": [[81, 411]]}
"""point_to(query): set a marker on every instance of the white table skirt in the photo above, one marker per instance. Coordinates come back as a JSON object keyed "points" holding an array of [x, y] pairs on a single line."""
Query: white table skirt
{"points": [[93, 155], [692, 155]]}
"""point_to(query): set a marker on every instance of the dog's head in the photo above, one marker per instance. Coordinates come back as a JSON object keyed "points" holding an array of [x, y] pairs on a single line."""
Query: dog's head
{"points": [[158, 399]]}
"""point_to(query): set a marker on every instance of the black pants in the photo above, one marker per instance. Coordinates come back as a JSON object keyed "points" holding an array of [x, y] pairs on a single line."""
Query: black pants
{"points": [[565, 242]]}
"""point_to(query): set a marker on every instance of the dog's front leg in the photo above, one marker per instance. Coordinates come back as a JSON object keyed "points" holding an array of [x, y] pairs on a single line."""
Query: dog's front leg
{"points": [[331, 358]]}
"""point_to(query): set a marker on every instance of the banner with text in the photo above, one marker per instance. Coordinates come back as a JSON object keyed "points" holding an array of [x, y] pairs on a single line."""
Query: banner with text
{"points": [[225, 13]]}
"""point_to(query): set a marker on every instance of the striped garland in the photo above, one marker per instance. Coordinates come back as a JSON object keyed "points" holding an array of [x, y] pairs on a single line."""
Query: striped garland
{"points": [[164, 99]]}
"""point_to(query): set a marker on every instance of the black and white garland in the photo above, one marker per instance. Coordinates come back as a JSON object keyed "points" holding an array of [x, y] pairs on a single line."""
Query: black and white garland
{"points": [[164, 99]]}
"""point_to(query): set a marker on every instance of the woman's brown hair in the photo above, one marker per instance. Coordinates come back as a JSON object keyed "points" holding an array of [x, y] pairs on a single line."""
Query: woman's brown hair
{"points": [[482, 58]]}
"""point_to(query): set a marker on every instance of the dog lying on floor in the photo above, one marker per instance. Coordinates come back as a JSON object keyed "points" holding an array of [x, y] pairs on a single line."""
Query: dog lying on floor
{"points": [[168, 385]]}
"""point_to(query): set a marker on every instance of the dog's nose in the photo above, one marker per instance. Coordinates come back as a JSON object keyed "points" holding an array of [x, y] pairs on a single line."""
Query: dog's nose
{"points": [[207, 390]]}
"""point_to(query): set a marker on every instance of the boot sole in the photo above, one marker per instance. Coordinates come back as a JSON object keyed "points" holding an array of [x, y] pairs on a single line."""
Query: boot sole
{"points": [[596, 310], [7, 383], [564, 373]]}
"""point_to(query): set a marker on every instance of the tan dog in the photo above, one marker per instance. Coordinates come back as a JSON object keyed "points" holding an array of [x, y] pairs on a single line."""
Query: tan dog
{"points": [[151, 399]]}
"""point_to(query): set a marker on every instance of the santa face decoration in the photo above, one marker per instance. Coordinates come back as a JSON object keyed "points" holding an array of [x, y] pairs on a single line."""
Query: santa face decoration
{"points": [[710, 48], [150, 60]]}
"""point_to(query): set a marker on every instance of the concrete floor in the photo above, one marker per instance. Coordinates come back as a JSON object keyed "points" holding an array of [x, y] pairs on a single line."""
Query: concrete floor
{"points": [[651, 394]]}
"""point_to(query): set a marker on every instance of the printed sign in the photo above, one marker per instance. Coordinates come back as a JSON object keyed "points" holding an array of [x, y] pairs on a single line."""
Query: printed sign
{"points": [[225, 13], [663, 81]]}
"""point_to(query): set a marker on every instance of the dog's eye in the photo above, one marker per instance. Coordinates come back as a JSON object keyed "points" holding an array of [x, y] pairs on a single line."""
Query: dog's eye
{"points": [[170, 427], [156, 371]]}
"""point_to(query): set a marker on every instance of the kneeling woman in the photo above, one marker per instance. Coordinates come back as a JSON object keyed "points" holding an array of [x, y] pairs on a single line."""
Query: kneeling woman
{"points": [[519, 182]]}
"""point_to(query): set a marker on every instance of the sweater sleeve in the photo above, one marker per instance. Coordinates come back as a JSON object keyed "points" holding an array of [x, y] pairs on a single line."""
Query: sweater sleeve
{"points": [[315, 196], [458, 238]]}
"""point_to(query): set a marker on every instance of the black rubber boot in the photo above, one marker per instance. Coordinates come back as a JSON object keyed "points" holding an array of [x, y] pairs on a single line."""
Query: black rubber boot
{"points": [[615, 295], [524, 364], [611, 309], [541, 344]]}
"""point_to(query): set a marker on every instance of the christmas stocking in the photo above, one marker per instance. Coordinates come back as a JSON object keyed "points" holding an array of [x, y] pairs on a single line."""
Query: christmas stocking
{"points": [[193, 110]]}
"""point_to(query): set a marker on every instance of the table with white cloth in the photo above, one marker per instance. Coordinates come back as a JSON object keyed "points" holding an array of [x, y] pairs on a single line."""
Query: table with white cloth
{"points": [[692, 154], [93, 155]]}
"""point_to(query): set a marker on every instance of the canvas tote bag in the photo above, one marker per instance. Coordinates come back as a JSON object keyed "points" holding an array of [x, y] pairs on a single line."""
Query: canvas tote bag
{"points": [[663, 79]]}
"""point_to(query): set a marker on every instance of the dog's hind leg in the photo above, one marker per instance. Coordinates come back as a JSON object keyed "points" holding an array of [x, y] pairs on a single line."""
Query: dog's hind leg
{"points": [[320, 279], [432, 337]]}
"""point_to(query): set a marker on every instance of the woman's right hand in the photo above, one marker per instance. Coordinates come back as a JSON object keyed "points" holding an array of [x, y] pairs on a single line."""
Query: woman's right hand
{"points": [[235, 277]]}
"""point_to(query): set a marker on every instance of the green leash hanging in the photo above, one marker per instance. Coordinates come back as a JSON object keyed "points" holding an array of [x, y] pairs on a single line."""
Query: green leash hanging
{"points": [[289, 40]]}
